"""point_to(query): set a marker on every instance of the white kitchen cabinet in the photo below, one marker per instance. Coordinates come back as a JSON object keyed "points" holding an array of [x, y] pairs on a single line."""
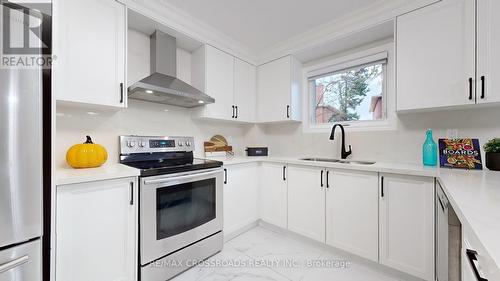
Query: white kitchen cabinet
{"points": [[89, 67], [241, 197], [352, 212], [245, 91], [273, 194], [279, 89], [306, 201], [488, 57], [96, 230], [436, 56], [230, 81], [406, 214], [477, 258]]}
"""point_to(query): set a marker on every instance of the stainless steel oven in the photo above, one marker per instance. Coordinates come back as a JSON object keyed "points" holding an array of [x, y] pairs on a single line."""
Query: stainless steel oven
{"points": [[178, 210], [180, 204]]}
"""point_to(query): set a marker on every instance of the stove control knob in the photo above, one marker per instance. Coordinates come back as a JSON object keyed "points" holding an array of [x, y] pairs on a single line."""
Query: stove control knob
{"points": [[179, 143], [188, 143], [131, 143], [142, 144]]}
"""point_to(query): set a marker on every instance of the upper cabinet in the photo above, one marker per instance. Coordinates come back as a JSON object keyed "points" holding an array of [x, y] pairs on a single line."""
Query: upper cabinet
{"points": [[245, 90], [230, 81], [488, 57], [89, 65], [435, 56], [278, 90]]}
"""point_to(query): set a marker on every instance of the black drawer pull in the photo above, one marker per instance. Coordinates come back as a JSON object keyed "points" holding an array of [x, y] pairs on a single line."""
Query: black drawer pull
{"points": [[225, 176], [472, 256], [483, 94], [470, 89], [322, 177], [382, 187]]}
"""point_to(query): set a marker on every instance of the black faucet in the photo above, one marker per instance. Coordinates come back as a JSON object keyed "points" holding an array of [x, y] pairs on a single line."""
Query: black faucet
{"points": [[344, 153]]}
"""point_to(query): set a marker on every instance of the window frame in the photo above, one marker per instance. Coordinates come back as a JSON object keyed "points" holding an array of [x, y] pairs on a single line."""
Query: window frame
{"points": [[345, 62]]}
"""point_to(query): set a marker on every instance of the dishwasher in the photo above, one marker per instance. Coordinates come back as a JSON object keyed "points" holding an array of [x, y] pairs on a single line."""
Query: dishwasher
{"points": [[448, 239]]}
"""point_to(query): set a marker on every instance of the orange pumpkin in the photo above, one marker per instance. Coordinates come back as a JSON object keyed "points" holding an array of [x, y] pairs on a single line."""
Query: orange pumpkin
{"points": [[86, 155]]}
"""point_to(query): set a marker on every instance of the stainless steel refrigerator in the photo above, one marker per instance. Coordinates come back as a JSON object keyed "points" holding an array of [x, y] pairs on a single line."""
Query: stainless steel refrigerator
{"points": [[20, 167]]}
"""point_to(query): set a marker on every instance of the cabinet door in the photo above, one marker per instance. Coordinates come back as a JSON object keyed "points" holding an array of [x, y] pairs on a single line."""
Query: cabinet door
{"points": [[274, 82], [245, 90], [436, 56], [89, 39], [352, 212], [219, 83], [407, 224], [96, 225], [306, 202], [273, 194], [241, 195], [488, 57]]}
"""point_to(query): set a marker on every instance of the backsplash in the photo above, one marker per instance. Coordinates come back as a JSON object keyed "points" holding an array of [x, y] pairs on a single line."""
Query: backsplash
{"points": [[401, 145], [140, 118]]}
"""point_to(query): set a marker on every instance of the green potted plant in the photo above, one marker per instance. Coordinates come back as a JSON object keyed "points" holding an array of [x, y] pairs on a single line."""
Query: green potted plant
{"points": [[492, 149]]}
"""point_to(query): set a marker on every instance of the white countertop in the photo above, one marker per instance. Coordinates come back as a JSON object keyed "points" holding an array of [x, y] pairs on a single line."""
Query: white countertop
{"points": [[69, 175], [475, 195]]}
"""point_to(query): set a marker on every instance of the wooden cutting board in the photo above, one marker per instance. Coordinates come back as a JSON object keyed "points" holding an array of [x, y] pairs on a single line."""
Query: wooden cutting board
{"points": [[217, 143]]}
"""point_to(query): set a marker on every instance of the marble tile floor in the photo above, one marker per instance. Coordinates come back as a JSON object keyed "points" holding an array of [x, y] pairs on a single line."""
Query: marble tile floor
{"points": [[261, 254]]}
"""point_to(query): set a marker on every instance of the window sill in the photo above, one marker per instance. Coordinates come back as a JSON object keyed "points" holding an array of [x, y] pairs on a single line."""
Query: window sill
{"points": [[369, 126]]}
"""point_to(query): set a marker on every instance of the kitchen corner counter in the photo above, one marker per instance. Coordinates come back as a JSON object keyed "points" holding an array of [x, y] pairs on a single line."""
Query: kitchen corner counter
{"points": [[67, 175]]}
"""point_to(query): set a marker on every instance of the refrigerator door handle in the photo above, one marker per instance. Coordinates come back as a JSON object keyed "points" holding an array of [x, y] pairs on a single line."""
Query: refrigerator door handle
{"points": [[13, 263]]}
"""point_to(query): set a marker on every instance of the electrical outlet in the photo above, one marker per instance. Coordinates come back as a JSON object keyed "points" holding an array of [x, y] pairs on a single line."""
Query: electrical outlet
{"points": [[452, 134]]}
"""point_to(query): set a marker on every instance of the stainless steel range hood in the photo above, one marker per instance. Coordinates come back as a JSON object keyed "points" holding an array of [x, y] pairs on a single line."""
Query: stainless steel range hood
{"points": [[162, 86]]}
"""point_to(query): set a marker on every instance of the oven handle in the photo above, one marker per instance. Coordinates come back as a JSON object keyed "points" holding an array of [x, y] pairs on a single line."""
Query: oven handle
{"points": [[184, 177]]}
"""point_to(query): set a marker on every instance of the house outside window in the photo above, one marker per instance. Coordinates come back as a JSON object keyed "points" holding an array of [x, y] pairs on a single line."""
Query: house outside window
{"points": [[352, 91]]}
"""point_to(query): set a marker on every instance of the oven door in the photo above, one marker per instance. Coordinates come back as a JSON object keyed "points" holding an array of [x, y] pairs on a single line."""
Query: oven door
{"points": [[178, 210]]}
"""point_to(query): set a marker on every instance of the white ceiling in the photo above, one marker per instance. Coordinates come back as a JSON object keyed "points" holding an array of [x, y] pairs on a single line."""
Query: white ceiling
{"points": [[259, 24]]}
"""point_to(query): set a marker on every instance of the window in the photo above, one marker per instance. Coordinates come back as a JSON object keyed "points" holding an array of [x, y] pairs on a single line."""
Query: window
{"points": [[351, 93]]}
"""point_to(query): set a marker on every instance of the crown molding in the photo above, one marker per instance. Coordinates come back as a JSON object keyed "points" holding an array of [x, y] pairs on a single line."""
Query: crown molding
{"points": [[176, 19], [376, 13]]}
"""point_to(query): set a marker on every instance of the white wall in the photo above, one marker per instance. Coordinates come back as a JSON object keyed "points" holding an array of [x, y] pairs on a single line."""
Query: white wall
{"points": [[141, 118], [401, 145]]}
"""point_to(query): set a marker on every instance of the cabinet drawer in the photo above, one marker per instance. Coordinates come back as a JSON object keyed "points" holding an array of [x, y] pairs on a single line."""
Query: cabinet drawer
{"points": [[23, 260], [476, 262]]}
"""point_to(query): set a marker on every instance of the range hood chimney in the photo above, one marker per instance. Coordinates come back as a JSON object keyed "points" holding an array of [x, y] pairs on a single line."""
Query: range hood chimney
{"points": [[163, 86]]}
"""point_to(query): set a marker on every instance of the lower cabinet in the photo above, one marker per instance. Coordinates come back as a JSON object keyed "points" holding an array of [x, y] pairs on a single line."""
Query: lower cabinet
{"points": [[407, 224], [96, 231], [241, 196], [352, 212], [273, 194], [306, 201]]}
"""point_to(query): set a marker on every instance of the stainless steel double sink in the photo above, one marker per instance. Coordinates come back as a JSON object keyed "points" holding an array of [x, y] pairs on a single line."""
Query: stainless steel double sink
{"points": [[338, 161]]}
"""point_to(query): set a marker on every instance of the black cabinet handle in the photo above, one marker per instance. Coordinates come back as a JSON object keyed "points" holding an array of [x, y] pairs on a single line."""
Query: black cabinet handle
{"points": [[233, 111], [121, 92], [236, 112], [327, 179], [470, 89], [287, 111], [284, 173], [472, 256], [382, 187], [482, 87], [225, 176], [131, 193], [322, 177]]}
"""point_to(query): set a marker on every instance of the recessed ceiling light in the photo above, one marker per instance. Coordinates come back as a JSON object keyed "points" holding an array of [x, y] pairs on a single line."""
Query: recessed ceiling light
{"points": [[149, 92], [92, 113], [200, 101], [166, 110]]}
